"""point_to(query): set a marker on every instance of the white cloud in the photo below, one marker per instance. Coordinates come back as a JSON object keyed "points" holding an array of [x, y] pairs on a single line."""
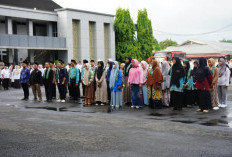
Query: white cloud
{"points": [[175, 16]]}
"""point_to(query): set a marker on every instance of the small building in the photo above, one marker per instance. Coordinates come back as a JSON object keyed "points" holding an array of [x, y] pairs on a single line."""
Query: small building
{"points": [[196, 49], [42, 31]]}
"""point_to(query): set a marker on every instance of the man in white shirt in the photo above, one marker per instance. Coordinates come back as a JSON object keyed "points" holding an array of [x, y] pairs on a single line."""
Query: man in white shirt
{"points": [[5, 77]]}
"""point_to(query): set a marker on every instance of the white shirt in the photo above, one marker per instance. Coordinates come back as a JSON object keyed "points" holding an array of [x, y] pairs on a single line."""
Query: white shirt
{"points": [[16, 74], [5, 73]]}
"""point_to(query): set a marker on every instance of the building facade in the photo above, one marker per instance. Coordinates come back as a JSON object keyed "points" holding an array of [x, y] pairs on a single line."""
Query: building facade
{"points": [[49, 32]]}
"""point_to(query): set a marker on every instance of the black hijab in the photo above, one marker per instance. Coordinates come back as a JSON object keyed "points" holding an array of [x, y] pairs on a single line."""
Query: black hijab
{"points": [[194, 71], [177, 72], [202, 71], [127, 66], [186, 69], [100, 70]]}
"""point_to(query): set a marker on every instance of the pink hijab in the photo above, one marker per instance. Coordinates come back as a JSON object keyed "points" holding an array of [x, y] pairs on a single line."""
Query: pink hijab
{"points": [[136, 73], [144, 63]]}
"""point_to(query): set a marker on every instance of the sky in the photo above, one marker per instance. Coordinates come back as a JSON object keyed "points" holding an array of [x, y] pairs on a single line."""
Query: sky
{"points": [[179, 20]]}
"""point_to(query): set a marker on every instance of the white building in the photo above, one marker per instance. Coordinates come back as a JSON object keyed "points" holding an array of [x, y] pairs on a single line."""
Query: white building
{"points": [[42, 31], [196, 49]]}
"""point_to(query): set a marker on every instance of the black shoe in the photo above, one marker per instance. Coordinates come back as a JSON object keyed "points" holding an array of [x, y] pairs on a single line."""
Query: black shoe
{"points": [[23, 99], [49, 100], [26, 99]]}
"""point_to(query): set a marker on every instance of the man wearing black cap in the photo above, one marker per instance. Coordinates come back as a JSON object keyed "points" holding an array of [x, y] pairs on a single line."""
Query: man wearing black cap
{"points": [[24, 79], [61, 80], [36, 81], [74, 80], [47, 80], [54, 80]]}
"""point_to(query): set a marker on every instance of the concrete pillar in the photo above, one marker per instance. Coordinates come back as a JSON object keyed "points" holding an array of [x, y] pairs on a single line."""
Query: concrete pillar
{"points": [[9, 25], [112, 42], [31, 54], [49, 29], [84, 26], [11, 55], [100, 41], [30, 27]]}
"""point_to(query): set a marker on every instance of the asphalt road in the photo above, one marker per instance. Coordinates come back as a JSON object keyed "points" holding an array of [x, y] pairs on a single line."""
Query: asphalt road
{"points": [[69, 129]]}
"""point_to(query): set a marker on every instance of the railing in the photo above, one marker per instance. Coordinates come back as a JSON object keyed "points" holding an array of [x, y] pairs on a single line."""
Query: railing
{"points": [[32, 42]]}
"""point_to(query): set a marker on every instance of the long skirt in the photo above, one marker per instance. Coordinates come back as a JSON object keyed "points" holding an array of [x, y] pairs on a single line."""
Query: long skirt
{"points": [[176, 100], [16, 83], [89, 94], [116, 98], [5, 83], [126, 90], [188, 98], [166, 97], [222, 95], [214, 97], [204, 100], [145, 95], [155, 97], [135, 96], [195, 97]]}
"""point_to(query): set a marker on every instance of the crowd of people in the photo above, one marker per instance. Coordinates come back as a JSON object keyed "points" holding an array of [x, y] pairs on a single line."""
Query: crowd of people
{"points": [[177, 83]]}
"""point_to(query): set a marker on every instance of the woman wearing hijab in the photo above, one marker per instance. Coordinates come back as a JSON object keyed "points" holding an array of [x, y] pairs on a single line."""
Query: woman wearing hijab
{"points": [[126, 88], [122, 67], [223, 82], [193, 75], [88, 81], [204, 80], [101, 91], [188, 85], [214, 87], [108, 73], [116, 86], [144, 86], [135, 81], [16, 76], [154, 81], [166, 83], [177, 74]]}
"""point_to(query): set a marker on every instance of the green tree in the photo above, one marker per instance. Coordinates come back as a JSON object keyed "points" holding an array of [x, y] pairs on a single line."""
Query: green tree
{"points": [[124, 34], [226, 41], [166, 43], [145, 38]]}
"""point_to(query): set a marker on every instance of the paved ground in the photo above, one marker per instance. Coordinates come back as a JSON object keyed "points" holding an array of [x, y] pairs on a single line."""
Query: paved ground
{"points": [[55, 129]]}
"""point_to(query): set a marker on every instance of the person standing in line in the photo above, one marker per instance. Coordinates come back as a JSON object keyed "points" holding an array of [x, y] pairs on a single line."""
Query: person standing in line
{"points": [[89, 85], [144, 86], [154, 82], [177, 74], [74, 80], [36, 81], [16, 76], [214, 87], [108, 73], [188, 85], [79, 66], [6, 77], [40, 67], [135, 81], [126, 89], [122, 67], [203, 83], [223, 82], [115, 84], [82, 76], [61, 75], [166, 84], [24, 79], [52, 67], [101, 91], [47, 80], [1, 76], [193, 75]]}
